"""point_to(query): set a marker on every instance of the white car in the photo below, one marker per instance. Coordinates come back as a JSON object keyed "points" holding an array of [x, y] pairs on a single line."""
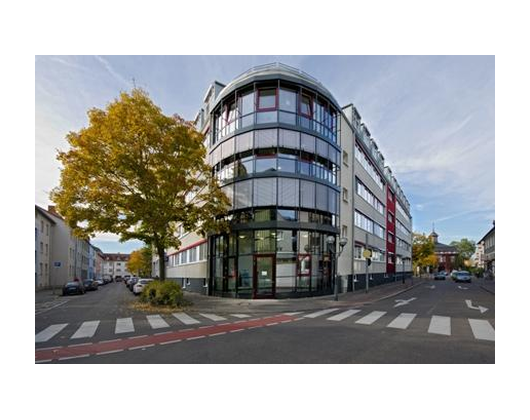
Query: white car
{"points": [[139, 286]]}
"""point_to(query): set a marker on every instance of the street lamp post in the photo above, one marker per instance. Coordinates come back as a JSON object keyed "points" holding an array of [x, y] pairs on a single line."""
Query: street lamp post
{"points": [[334, 256]]}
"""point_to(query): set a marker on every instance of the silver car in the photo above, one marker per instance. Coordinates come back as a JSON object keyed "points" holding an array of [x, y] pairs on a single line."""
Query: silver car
{"points": [[462, 276]]}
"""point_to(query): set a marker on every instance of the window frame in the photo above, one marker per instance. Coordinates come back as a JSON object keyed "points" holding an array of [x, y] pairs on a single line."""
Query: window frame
{"points": [[301, 96], [276, 99]]}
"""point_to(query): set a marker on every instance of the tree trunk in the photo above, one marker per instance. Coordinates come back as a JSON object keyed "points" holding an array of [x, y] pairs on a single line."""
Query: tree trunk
{"points": [[161, 262]]}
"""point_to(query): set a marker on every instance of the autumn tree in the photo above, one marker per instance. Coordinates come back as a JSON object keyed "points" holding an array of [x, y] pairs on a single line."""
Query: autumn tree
{"points": [[140, 262], [422, 251], [466, 248], [138, 173]]}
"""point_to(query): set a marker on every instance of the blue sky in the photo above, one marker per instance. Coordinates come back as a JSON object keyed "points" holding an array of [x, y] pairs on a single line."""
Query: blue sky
{"points": [[433, 118]]}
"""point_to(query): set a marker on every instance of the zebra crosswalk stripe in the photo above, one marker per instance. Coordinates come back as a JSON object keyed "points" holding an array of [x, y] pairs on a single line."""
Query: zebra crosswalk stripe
{"points": [[240, 315], [370, 318], [185, 318], [156, 322], [49, 332], [86, 330], [402, 321], [343, 315], [440, 325], [124, 325], [482, 329], [320, 313]]}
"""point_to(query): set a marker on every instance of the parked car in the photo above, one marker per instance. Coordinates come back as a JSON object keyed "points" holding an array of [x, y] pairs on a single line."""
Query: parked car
{"points": [[90, 284], [453, 273], [140, 284], [73, 288], [462, 276], [131, 282], [100, 282], [440, 275]]}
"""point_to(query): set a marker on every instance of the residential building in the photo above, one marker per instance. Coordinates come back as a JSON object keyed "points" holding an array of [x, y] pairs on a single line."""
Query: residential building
{"points": [[478, 257], [115, 265], [488, 242], [99, 261], [44, 224]]}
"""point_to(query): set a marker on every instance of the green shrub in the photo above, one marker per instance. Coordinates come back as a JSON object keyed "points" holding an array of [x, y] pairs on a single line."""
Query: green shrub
{"points": [[162, 293]]}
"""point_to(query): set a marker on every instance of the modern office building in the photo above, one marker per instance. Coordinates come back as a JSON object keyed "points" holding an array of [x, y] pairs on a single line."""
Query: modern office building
{"points": [[302, 172]]}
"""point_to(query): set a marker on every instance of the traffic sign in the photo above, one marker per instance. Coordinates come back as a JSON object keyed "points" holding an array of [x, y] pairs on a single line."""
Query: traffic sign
{"points": [[367, 253], [57, 263]]}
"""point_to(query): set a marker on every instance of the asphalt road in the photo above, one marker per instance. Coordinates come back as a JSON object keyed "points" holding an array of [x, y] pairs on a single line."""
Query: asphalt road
{"points": [[436, 328]]}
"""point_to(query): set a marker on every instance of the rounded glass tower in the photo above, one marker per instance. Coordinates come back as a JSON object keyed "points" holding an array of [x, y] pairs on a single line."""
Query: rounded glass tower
{"points": [[274, 148]]}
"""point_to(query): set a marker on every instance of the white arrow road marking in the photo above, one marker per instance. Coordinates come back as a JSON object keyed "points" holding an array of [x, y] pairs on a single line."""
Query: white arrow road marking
{"points": [[402, 302], [469, 304], [430, 287], [463, 288]]}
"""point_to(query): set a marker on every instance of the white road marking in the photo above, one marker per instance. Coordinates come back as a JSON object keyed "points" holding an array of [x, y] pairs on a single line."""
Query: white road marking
{"points": [[156, 322], [108, 352], [213, 317], [219, 333], [240, 316], [469, 304], [196, 338], [293, 313], [370, 318], [124, 325], [320, 313], [401, 302], [185, 318], [43, 361], [343, 315], [170, 342], [86, 330], [402, 321], [73, 357], [49, 332], [141, 347], [440, 325], [482, 329]]}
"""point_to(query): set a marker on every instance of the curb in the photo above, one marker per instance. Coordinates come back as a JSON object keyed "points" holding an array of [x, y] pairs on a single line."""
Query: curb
{"points": [[342, 303]]}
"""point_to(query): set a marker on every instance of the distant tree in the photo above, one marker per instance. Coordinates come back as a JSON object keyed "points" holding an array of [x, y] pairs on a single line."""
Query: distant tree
{"points": [[140, 262], [466, 248], [422, 252], [138, 173]]}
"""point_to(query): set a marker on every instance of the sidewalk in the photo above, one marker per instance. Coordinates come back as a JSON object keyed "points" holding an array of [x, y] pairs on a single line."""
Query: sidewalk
{"points": [[46, 300], [202, 303]]}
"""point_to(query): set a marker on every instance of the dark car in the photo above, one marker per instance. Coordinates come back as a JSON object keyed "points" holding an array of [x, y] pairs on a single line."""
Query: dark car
{"points": [[131, 282], [73, 288], [90, 284], [440, 276]]}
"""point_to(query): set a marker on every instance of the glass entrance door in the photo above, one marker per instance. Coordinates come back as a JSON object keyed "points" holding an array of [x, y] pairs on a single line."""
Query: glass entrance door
{"points": [[264, 276]]}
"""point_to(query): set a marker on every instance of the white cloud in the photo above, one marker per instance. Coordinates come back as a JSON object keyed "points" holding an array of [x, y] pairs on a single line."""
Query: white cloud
{"points": [[112, 72]]}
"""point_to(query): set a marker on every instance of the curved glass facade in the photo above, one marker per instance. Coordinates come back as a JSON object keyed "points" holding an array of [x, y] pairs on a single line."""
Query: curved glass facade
{"points": [[273, 147]]}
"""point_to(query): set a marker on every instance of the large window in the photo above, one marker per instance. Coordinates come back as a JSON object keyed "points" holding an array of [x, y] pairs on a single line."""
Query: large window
{"points": [[265, 241], [265, 192], [288, 192], [265, 165], [287, 100], [369, 225], [367, 165], [305, 106], [243, 194], [266, 139], [267, 99], [365, 193], [307, 194]]}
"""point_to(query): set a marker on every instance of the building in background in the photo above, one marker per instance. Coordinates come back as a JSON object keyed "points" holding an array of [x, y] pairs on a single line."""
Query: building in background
{"points": [[98, 264], [478, 257], [115, 265], [445, 254], [488, 242], [301, 172], [44, 225]]}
